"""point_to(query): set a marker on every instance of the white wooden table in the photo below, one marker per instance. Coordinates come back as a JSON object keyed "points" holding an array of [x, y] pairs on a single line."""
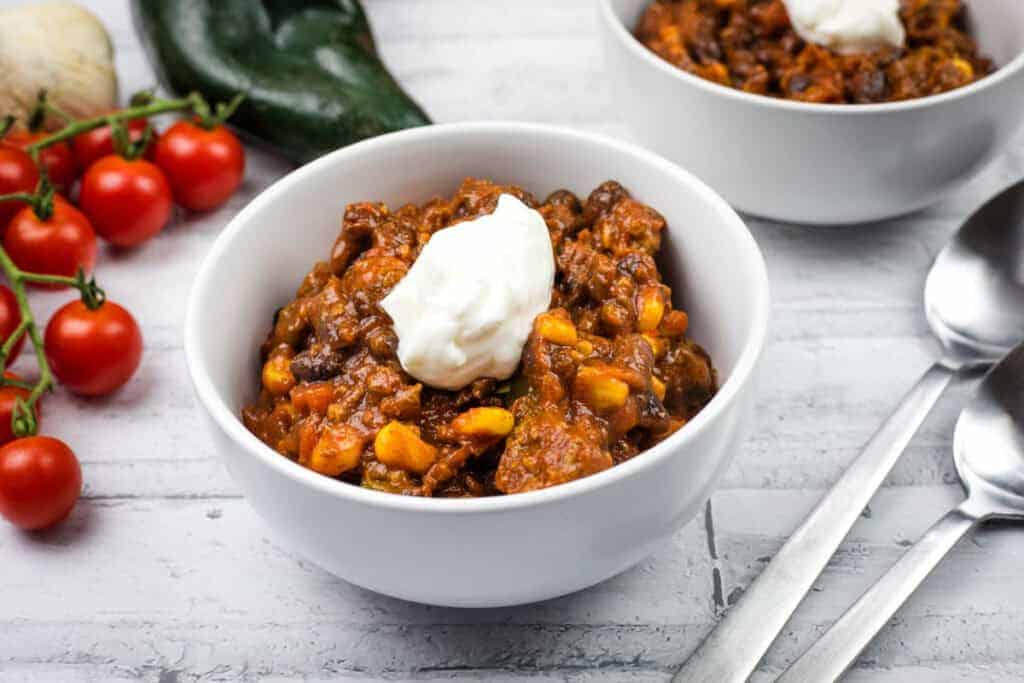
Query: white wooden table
{"points": [[165, 574]]}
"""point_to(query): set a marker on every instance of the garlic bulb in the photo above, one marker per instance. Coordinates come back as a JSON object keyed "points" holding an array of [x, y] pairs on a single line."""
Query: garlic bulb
{"points": [[58, 47]]}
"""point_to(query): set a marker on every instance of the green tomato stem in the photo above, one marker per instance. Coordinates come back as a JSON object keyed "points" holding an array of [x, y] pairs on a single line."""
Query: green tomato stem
{"points": [[20, 384], [45, 279], [10, 342], [26, 197], [85, 125], [23, 420]]}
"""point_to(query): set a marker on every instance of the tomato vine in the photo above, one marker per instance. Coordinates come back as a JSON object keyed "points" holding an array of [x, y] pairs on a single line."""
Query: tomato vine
{"points": [[143, 105]]}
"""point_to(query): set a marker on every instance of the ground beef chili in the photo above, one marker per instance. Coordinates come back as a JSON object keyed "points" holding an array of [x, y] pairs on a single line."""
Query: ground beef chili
{"points": [[606, 372], [750, 45]]}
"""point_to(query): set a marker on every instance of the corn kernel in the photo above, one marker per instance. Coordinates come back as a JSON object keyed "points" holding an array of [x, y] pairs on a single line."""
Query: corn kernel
{"points": [[277, 376], [399, 446], [658, 345], [964, 67], [650, 308], [337, 451], [556, 329], [584, 347], [484, 422], [658, 387], [670, 33], [600, 389], [608, 234]]}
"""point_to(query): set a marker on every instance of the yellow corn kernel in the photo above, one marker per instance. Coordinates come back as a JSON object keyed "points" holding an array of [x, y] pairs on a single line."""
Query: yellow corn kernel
{"points": [[964, 67], [584, 347], [658, 387], [669, 33], [658, 345], [484, 422], [600, 389], [608, 234], [277, 376], [650, 308], [399, 446], [556, 330], [337, 451]]}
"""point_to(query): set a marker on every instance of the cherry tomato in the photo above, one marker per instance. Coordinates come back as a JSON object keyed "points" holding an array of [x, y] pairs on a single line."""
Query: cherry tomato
{"points": [[127, 201], [40, 481], [59, 245], [93, 353], [8, 395], [204, 167], [58, 159], [17, 174], [10, 318], [97, 143]]}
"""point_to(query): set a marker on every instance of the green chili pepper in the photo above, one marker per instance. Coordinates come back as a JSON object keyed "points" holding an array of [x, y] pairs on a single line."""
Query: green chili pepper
{"points": [[309, 70]]}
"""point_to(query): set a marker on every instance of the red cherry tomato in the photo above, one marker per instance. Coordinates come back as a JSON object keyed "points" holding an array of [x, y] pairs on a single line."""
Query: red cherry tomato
{"points": [[8, 395], [10, 318], [40, 482], [59, 245], [128, 202], [93, 353], [204, 167], [97, 143], [58, 159], [17, 174]]}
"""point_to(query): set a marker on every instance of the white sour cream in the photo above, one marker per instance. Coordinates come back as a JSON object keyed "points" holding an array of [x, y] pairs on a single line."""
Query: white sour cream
{"points": [[848, 26], [466, 307]]}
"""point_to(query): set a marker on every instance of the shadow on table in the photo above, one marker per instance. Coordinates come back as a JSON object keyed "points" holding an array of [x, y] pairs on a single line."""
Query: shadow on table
{"points": [[82, 523], [646, 619]]}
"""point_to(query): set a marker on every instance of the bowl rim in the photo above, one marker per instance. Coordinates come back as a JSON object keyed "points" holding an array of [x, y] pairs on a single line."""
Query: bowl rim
{"points": [[228, 422], [630, 42]]}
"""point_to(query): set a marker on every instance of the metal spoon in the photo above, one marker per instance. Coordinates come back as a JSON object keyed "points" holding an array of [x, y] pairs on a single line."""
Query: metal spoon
{"points": [[974, 300], [988, 450]]}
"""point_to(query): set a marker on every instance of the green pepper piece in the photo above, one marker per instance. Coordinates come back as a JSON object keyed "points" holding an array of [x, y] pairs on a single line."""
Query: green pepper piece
{"points": [[308, 68]]}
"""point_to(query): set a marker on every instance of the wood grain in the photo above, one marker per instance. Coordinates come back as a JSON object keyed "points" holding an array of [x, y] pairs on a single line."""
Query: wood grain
{"points": [[165, 574]]}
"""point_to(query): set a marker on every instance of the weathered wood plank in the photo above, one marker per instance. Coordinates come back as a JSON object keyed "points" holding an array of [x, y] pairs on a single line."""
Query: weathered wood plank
{"points": [[196, 582]]}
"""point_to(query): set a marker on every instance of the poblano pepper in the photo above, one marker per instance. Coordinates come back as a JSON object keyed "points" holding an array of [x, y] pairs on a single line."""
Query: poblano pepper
{"points": [[308, 68]]}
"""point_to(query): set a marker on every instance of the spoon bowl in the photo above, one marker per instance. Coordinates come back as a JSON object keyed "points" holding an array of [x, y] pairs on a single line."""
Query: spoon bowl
{"points": [[974, 295], [988, 447]]}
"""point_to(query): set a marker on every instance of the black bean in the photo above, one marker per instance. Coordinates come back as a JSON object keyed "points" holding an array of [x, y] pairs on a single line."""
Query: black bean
{"points": [[316, 365]]}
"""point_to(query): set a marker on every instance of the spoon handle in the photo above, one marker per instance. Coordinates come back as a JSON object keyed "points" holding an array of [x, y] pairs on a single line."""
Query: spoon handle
{"points": [[833, 653], [732, 651]]}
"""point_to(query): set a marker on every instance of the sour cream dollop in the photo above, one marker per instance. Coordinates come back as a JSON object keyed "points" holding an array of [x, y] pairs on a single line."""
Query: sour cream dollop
{"points": [[466, 307], [848, 26]]}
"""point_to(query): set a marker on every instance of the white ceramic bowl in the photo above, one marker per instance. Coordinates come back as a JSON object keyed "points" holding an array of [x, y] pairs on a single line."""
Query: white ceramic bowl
{"points": [[493, 551], [815, 163]]}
